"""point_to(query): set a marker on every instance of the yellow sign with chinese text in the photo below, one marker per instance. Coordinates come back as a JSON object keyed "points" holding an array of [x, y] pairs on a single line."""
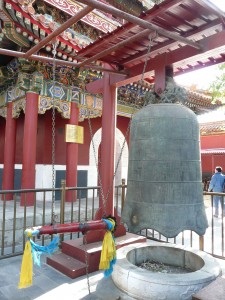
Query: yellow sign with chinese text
{"points": [[74, 134]]}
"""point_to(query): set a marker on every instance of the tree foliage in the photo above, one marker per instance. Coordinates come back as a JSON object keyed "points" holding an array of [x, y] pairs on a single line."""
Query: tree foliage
{"points": [[217, 88]]}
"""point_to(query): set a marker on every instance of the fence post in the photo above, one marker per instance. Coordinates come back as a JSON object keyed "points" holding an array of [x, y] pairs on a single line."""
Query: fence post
{"points": [[62, 203], [123, 194], [201, 242]]}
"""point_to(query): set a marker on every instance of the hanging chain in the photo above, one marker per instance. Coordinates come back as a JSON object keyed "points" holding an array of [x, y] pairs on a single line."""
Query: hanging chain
{"points": [[53, 134], [86, 262], [96, 163], [105, 199], [151, 38], [129, 125]]}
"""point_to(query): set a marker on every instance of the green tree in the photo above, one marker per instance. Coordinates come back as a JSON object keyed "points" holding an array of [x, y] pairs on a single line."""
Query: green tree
{"points": [[217, 88]]}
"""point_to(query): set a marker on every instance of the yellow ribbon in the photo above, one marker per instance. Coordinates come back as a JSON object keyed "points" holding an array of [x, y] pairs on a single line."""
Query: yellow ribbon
{"points": [[108, 249], [26, 272]]}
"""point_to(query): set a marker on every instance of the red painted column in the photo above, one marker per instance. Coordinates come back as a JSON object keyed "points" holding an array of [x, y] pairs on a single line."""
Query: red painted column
{"points": [[29, 147], [72, 156], [9, 153], [107, 145], [160, 77], [161, 73]]}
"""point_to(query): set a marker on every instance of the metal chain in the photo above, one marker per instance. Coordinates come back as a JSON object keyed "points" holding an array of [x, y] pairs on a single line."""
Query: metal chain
{"points": [[86, 261], [129, 125], [96, 163], [105, 199], [151, 38], [53, 134]]}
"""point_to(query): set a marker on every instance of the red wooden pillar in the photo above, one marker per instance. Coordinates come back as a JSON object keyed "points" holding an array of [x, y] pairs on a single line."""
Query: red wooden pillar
{"points": [[107, 145], [160, 77], [161, 73], [72, 156], [9, 153], [29, 147], [106, 205]]}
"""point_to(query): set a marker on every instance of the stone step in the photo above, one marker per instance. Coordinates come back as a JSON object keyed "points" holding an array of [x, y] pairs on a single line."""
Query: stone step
{"points": [[67, 265], [214, 291], [89, 252]]}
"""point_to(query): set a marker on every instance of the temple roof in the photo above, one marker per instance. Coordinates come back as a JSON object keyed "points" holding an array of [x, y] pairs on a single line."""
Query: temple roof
{"points": [[93, 35], [212, 128]]}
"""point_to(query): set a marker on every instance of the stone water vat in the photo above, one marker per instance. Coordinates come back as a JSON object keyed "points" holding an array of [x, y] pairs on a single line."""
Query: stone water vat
{"points": [[143, 284]]}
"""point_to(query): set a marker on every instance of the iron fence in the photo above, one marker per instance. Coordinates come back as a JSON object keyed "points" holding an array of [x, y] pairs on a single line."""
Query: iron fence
{"points": [[15, 218], [213, 240]]}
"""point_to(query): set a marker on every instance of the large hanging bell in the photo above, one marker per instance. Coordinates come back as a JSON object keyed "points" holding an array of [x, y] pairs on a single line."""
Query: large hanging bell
{"points": [[164, 187]]}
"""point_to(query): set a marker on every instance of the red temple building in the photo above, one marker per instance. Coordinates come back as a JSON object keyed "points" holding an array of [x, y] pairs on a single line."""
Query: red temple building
{"points": [[212, 147], [72, 75]]}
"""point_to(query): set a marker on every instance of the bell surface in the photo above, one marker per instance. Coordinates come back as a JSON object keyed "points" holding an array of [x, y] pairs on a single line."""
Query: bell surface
{"points": [[164, 186]]}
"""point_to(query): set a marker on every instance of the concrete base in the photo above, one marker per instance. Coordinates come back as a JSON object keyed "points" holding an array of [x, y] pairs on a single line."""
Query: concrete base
{"points": [[143, 284]]}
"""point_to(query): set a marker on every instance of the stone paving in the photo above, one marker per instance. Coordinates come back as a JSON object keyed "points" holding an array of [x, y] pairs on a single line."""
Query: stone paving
{"points": [[49, 284]]}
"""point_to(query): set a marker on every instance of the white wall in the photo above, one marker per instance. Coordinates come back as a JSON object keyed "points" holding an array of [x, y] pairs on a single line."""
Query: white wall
{"points": [[43, 177], [44, 174]]}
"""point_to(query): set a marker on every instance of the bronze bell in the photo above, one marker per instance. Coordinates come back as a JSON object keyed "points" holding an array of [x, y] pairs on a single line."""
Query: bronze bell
{"points": [[164, 187]]}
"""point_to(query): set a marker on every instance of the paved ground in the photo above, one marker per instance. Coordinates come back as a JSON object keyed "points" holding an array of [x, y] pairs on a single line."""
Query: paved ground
{"points": [[49, 284]]}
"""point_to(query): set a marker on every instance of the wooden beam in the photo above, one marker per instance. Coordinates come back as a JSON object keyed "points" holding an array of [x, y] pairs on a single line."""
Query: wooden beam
{"points": [[212, 7], [59, 62], [95, 87], [59, 30], [135, 37], [152, 13], [211, 44], [163, 47], [130, 18]]}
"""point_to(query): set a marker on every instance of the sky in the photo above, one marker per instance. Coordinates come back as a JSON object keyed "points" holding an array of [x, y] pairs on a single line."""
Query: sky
{"points": [[202, 79], [219, 3]]}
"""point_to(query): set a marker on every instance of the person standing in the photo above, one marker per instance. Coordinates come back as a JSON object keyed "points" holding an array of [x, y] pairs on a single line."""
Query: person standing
{"points": [[217, 185]]}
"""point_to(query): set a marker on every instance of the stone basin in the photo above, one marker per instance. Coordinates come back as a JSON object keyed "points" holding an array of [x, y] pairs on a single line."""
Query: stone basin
{"points": [[143, 284]]}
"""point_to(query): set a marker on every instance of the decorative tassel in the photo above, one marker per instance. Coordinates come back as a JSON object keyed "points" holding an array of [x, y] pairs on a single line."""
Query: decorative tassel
{"points": [[37, 250], [34, 251], [108, 254], [26, 267]]}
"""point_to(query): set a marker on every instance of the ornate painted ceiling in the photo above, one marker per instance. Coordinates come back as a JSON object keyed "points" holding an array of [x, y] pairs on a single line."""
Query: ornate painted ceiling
{"points": [[90, 35]]}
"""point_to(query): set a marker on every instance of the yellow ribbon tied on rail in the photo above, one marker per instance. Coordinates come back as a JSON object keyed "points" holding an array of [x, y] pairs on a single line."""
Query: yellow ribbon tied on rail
{"points": [[108, 254], [26, 273]]}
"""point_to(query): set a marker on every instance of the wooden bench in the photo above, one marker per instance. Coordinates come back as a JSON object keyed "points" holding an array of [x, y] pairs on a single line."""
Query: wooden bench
{"points": [[214, 291]]}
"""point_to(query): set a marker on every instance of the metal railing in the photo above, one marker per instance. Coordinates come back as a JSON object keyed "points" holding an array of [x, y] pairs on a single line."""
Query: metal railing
{"points": [[213, 240], [14, 218]]}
